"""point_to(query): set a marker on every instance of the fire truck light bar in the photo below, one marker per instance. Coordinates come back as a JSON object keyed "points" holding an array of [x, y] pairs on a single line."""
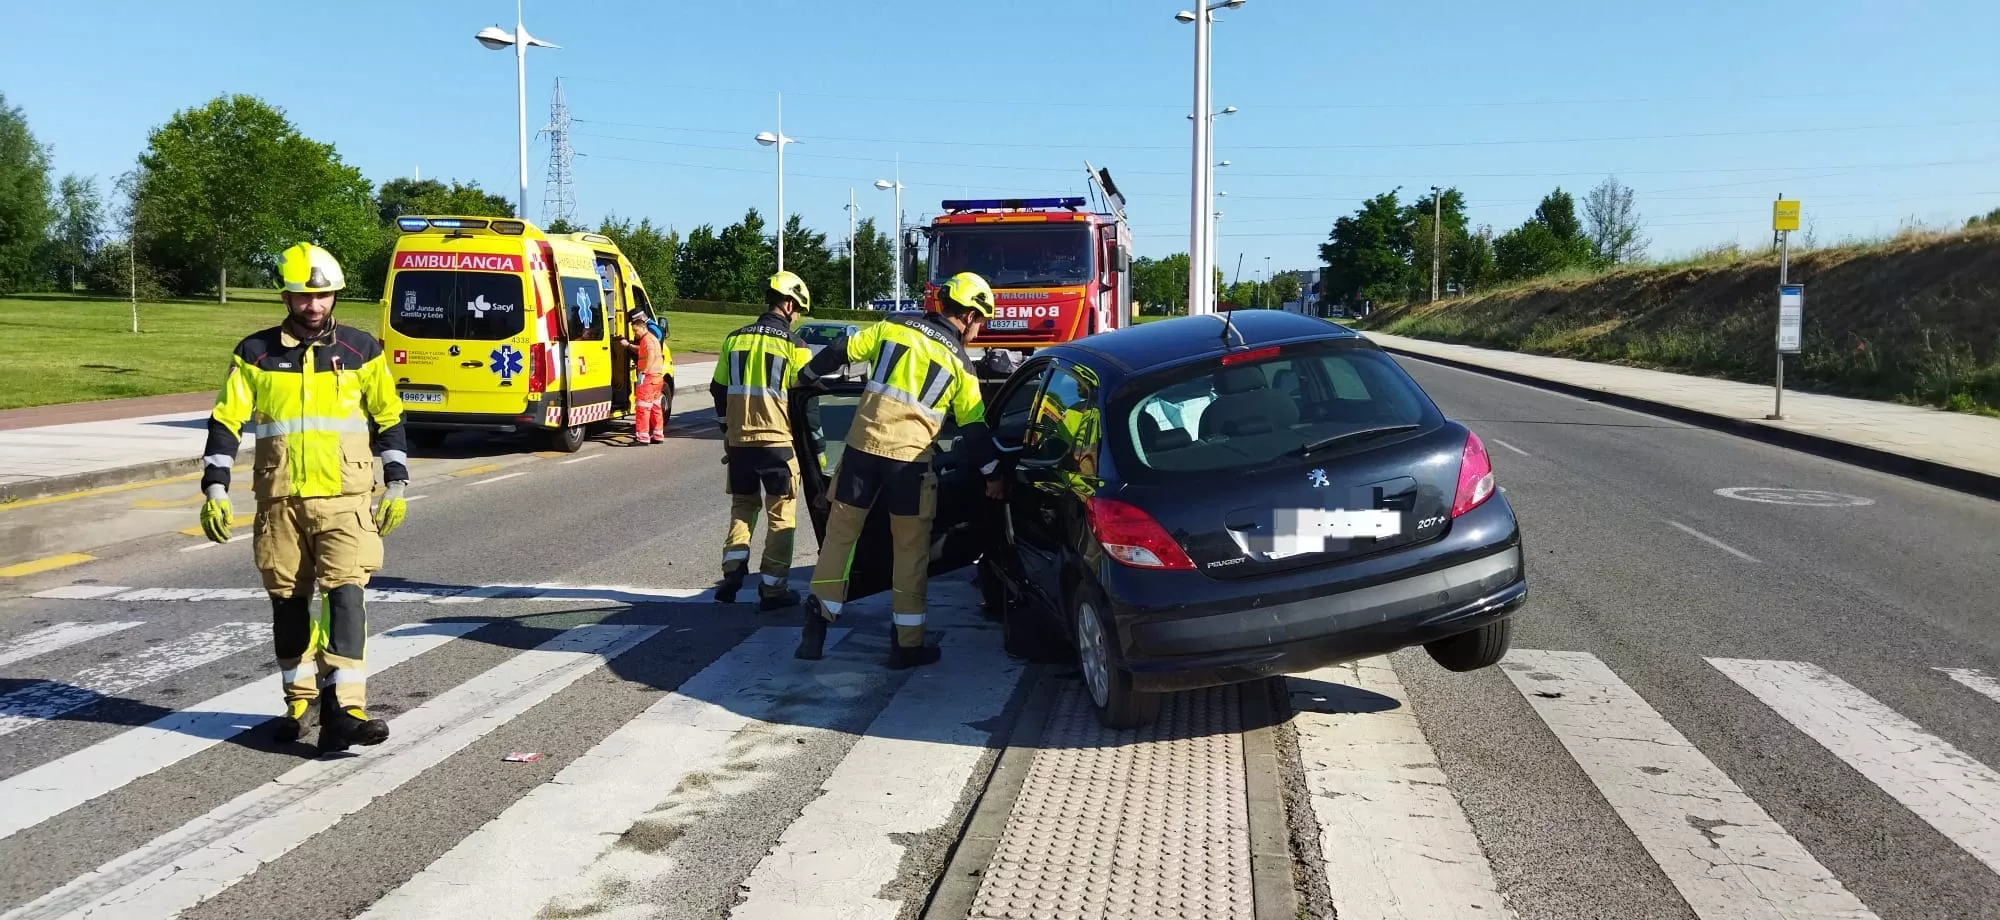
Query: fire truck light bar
{"points": [[979, 204]]}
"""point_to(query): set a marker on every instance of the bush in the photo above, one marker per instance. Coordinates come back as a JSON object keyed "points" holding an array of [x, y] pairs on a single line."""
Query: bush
{"points": [[109, 272]]}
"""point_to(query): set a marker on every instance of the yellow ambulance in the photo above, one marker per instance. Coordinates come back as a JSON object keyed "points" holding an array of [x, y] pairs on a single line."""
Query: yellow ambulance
{"points": [[493, 325]]}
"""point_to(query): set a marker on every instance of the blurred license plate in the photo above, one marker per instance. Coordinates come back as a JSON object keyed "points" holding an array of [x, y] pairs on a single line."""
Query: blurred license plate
{"points": [[436, 399], [1006, 324]]}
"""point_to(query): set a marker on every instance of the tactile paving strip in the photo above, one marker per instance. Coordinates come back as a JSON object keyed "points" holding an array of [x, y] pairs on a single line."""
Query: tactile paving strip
{"points": [[1142, 824]]}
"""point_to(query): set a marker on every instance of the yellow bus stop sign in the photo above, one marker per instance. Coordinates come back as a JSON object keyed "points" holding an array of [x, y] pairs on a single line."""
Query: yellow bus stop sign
{"points": [[1785, 214]]}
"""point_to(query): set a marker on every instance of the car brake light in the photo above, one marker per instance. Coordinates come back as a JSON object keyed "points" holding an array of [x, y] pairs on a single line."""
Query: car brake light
{"points": [[538, 367], [1475, 477], [1255, 354], [1133, 538]]}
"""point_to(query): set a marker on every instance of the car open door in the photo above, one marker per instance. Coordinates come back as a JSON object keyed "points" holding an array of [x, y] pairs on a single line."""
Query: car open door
{"points": [[819, 437]]}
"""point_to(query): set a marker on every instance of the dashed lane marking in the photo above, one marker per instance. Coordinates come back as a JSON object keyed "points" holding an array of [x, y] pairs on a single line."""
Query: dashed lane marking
{"points": [[499, 478], [480, 470], [58, 637], [1718, 544], [46, 564]]}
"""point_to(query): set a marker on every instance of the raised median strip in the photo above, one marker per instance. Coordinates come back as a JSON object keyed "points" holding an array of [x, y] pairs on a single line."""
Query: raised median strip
{"points": [[1955, 450]]}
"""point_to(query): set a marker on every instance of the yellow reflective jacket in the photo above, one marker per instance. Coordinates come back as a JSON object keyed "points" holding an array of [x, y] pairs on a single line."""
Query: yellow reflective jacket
{"points": [[921, 375], [320, 411], [754, 375]]}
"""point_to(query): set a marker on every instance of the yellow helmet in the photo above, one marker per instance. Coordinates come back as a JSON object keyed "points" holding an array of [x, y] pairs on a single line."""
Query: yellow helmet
{"points": [[308, 269], [794, 287], [969, 291]]}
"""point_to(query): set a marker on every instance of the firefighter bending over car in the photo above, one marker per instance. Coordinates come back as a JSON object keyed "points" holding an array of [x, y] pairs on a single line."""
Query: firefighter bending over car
{"points": [[920, 373], [759, 366], [321, 402]]}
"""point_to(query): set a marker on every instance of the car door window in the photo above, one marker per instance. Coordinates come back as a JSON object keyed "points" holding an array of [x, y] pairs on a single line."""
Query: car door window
{"points": [[583, 307], [1010, 427], [1063, 430]]}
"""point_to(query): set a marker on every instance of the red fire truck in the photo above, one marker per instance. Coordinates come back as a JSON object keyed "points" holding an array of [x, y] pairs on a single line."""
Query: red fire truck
{"points": [[1059, 271]]}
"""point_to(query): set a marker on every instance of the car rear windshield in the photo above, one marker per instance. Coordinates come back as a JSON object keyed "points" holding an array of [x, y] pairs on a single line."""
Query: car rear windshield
{"points": [[481, 306], [821, 335], [1216, 417]]}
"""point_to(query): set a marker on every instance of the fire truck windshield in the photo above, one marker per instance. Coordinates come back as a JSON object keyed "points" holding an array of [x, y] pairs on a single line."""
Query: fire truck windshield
{"points": [[1014, 256]]}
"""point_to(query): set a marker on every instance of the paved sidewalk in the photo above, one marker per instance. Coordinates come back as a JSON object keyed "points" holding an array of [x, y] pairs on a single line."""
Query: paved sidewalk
{"points": [[1934, 440]]}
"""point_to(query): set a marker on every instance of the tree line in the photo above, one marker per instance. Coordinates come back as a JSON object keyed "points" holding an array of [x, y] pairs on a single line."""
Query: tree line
{"points": [[1383, 251], [221, 188]]}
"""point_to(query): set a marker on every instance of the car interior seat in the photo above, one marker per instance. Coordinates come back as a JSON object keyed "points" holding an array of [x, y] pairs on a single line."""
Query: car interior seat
{"points": [[1246, 405], [1155, 439]]}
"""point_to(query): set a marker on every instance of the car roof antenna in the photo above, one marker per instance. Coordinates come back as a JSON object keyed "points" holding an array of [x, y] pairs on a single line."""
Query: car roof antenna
{"points": [[1228, 326]]}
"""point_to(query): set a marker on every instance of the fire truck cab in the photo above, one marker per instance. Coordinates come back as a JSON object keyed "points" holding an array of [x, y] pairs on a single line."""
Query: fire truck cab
{"points": [[1059, 271]]}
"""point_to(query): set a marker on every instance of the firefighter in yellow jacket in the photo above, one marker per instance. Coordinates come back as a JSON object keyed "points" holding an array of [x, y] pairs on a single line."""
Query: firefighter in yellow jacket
{"points": [[759, 365], [921, 374], [320, 400]]}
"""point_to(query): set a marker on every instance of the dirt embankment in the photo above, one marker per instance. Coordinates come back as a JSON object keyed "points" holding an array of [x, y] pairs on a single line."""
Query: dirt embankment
{"points": [[1915, 320]]}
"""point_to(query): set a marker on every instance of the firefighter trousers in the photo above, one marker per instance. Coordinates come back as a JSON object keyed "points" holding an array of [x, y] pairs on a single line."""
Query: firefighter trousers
{"points": [[767, 479], [909, 490], [332, 542]]}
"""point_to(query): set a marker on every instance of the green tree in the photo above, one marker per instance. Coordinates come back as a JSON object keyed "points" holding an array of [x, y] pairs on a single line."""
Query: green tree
{"points": [[560, 225], [24, 199], [1612, 223], [1552, 240], [78, 229], [1368, 253], [1471, 263], [1285, 288], [233, 182], [1160, 285], [1989, 219], [874, 266], [652, 253], [400, 196], [807, 255]]}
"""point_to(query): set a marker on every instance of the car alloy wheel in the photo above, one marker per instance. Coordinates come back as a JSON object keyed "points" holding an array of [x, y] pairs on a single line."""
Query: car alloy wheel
{"points": [[1091, 651]]}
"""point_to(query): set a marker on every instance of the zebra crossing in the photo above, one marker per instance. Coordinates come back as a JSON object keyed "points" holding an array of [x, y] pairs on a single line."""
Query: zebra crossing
{"points": [[612, 831]]}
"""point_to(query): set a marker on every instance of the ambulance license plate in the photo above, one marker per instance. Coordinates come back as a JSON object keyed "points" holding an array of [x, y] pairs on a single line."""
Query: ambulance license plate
{"points": [[435, 399], [1000, 324]]}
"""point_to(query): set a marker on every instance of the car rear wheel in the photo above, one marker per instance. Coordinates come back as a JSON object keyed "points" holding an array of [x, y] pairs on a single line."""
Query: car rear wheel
{"points": [[568, 440], [1470, 651], [1104, 674], [428, 438], [667, 408]]}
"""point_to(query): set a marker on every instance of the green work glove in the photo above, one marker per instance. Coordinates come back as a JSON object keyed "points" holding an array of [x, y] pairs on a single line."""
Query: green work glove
{"points": [[215, 514], [390, 513]]}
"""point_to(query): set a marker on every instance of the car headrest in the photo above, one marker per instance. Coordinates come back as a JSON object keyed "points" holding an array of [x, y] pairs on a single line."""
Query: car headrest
{"points": [[1238, 380]]}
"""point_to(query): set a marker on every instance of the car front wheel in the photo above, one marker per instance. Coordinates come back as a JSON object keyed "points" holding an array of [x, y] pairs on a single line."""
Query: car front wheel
{"points": [[1104, 674], [1470, 651]]}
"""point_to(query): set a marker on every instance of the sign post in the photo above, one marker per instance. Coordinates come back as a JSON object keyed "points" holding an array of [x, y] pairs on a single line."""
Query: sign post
{"points": [[1791, 298]]}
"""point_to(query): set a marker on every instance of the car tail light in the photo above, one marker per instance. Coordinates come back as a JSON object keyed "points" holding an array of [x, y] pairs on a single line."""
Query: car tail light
{"points": [[538, 367], [1133, 538], [1475, 477]]}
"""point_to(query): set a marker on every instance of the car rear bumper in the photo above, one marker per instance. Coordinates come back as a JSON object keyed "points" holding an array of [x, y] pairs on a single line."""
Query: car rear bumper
{"points": [[1267, 640], [469, 421]]}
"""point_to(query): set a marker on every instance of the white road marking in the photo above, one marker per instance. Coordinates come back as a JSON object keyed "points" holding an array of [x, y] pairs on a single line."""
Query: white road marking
{"points": [[414, 498], [541, 845], [1941, 784], [57, 637], [904, 777], [200, 859], [581, 459], [209, 544], [39, 702], [78, 593], [1509, 446], [34, 796], [500, 477], [1725, 855], [1391, 832], [1978, 681], [1718, 544], [548, 591]]}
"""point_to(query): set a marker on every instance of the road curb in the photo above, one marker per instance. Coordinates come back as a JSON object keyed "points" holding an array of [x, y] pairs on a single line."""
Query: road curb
{"points": [[958, 886], [98, 479], [1985, 485], [1271, 884]]}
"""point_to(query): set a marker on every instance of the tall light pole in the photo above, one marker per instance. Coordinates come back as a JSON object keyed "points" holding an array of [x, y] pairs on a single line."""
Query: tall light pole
{"points": [[850, 248], [1437, 215], [496, 38], [896, 248], [1201, 257], [779, 140], [1266, 292]]}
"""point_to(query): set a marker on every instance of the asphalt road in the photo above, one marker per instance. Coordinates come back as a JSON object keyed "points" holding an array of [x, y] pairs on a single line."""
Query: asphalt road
{"points": [[1635, 561]]}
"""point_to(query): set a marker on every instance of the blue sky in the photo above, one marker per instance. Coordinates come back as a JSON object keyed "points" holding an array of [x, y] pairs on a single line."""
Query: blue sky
{"points": [[1874, 113]]}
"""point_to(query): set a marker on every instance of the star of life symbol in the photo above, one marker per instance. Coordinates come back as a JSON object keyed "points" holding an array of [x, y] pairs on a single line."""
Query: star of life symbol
{"points": [[1318, 479], [506, 361], [584, 313]]}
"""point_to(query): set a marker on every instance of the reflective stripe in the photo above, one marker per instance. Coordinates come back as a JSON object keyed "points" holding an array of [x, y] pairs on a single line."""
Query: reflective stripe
{"points": [[773, 392], [289, 676], [832, 607], [735, 554], [349, 676], [990, 466], [774, 579], [907, 619], [310, 423], [935, 391], [904, 396], [395, 456], [221, 460]]}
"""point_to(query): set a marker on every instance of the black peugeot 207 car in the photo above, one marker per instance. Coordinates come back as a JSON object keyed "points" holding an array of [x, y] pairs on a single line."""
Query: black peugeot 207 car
{"points": [[1199, 502]]}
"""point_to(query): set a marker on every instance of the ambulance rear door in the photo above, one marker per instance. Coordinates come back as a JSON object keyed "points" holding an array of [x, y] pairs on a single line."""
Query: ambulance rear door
{"points": [[587, 326], [459, 330]]}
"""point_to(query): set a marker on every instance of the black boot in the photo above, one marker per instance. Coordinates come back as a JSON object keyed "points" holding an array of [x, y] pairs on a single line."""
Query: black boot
{"points": [[340, 729], [732, 582], [287, 728], [768, 603], [812, 639], [904, 656]]}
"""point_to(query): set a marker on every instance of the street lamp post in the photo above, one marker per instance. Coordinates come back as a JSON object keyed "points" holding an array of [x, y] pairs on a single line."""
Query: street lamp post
{"points": [[896, 247], [850, 249], [1200, 227], [779, 140], [496, 38]]}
